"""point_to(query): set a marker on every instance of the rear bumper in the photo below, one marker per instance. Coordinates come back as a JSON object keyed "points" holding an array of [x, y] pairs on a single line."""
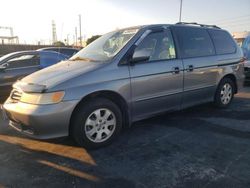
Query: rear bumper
{"points": [[247, 73], [247, 70], [240, 82], [40, 121]]}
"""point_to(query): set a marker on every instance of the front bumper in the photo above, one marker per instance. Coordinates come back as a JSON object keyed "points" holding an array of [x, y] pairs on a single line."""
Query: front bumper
{"points": [[40, 121]]}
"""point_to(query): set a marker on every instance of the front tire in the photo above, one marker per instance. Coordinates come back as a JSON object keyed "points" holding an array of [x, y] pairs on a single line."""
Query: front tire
{"points": [[96, 123], [224, 93]]}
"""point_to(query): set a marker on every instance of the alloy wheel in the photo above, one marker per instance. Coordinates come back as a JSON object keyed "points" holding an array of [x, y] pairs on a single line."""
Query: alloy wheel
{"points": [[226, 93], [100, 125]]}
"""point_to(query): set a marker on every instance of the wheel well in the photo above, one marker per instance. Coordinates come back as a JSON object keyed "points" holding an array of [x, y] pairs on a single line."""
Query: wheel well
{"points": [[233, 78], [113, 96]]}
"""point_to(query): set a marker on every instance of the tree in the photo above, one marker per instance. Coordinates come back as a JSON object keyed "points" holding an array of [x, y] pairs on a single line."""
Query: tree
{"points": [[91, 39], [58, 43]]}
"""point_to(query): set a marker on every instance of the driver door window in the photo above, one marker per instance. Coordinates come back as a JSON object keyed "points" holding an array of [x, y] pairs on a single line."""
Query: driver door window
{"points": [[159, 46], [23, 61]]}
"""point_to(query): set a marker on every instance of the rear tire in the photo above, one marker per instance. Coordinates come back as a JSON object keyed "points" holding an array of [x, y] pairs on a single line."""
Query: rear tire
{"points": [[96, 123], [224, 93]]}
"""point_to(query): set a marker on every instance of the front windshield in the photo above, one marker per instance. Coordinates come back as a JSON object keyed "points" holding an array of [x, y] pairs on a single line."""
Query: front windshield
{"points": [[105, 47]]}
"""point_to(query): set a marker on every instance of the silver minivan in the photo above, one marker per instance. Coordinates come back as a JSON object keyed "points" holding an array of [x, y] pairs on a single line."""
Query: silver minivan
{"points": [[125, 76]]}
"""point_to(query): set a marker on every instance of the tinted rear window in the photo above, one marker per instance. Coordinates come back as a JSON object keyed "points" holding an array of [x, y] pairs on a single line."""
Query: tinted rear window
{"points": [[194, 42], [68, 52], [223, 42]]}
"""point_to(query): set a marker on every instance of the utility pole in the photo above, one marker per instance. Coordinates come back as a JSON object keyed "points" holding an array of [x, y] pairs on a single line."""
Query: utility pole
{"points": [[68, 39], [80, 29], [76, 35], [54, 36], [180, 11]]}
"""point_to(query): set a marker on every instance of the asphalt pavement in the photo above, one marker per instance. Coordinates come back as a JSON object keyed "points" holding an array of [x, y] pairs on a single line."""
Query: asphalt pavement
{"points": [[198, 147]]}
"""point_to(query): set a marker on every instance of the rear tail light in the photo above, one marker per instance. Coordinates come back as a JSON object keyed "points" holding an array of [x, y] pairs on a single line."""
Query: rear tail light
{"points": [[243, 60]]}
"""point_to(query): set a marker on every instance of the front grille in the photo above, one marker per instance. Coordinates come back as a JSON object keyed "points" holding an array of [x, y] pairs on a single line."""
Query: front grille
{"points": [[21, 128], [15, 96]]}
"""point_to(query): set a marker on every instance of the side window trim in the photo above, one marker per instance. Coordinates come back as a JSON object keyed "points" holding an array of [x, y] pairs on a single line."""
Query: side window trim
{"points": [[211, 38], [176, 43], [168, 33]]}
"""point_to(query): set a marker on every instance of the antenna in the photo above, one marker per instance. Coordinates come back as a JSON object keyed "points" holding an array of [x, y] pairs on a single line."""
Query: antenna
{"points": [[180, 11]]}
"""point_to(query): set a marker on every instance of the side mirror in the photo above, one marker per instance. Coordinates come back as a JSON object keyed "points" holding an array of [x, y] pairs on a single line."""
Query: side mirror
{"points": [[140, 55], [4, 66]]}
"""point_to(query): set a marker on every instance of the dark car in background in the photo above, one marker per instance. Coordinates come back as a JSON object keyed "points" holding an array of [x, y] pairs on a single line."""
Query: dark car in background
{"points": [[17, 65], [63, 50], [246, 51]]}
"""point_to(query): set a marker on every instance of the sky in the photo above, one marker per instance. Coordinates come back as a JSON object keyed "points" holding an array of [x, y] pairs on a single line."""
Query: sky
{"points": [[32, 19]]}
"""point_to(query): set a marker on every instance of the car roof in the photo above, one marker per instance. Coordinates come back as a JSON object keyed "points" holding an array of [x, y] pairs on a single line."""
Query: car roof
{"points": [[26, 51], [34, 52], [179, 24], [22, 52], [10, 55], [59, 48], [51, 52]]}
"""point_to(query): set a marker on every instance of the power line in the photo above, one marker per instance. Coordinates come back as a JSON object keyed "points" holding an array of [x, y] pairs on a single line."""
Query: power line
{"points": [[236, 25], [234, 21], [232, 24], [230, 18]]}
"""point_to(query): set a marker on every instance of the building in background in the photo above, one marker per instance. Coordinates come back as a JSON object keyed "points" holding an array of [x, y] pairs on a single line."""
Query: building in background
{"points": [[8, 38], [240, 36]]}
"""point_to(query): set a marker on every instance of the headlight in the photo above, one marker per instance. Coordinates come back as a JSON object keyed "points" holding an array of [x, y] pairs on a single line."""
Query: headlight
{"points": [[29, 87], [42, 98]]}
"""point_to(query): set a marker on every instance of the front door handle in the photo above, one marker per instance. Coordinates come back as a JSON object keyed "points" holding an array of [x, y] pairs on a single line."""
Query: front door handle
{"points": [[176, 70], [190, 68]]}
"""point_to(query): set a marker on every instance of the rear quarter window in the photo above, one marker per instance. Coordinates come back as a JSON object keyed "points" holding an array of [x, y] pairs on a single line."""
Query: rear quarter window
{"points": [[194, 42], [223, 42], [68, 52]]}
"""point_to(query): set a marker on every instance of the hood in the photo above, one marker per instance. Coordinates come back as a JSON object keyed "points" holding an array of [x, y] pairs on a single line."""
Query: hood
{"points": [[59, 73]]}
